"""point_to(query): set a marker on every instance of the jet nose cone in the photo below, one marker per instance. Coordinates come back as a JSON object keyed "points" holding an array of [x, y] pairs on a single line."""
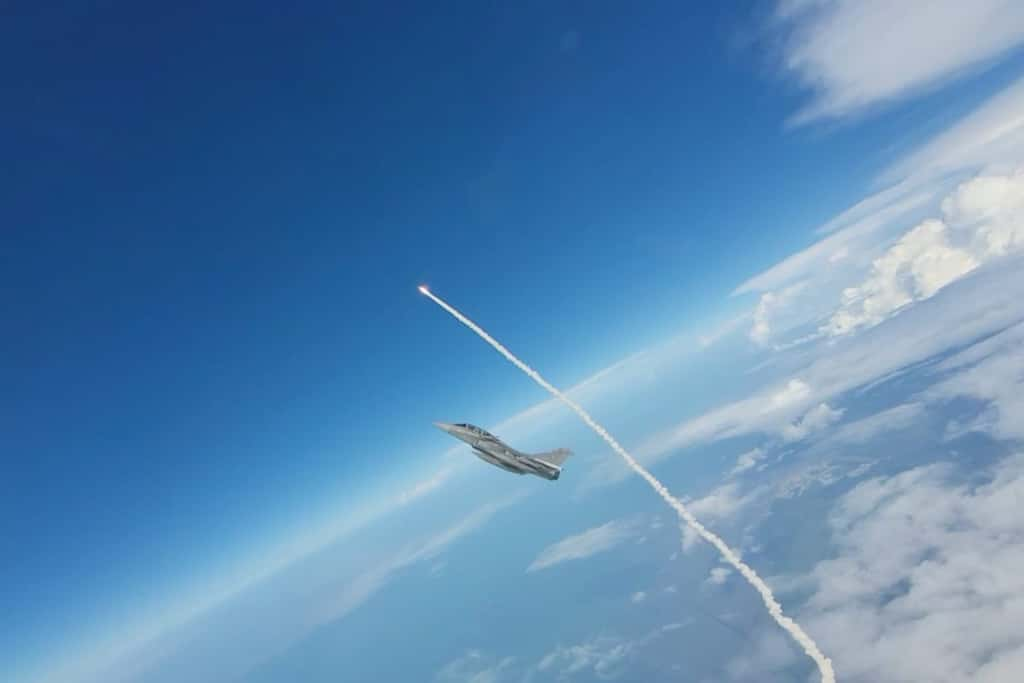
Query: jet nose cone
{"points": [[444, 426]]}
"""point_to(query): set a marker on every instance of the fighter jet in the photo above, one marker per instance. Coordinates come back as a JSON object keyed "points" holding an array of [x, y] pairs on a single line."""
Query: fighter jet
{"points": [[490, 448]]}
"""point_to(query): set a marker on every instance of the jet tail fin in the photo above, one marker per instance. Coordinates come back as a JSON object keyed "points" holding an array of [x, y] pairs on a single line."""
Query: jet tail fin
{"points": [[555, 457]]}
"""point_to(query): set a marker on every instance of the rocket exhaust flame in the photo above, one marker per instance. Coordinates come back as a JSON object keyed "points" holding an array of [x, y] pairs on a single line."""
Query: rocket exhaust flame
{"points": [[806, 643]]}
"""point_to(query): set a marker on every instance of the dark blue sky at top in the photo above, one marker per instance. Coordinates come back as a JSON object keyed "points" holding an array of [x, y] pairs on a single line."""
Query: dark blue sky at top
{"points": [[215, 219]]}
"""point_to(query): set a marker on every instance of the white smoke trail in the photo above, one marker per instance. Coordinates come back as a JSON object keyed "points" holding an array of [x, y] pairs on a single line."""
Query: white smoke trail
{"points": [[774, 608]]}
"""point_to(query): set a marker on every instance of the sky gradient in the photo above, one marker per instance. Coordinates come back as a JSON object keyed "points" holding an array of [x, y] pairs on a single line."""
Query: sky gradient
{"points": [[216, 218]]}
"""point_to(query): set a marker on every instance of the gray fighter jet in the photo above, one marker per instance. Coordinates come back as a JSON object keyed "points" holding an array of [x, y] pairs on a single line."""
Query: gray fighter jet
{"points": [[490, 448]]}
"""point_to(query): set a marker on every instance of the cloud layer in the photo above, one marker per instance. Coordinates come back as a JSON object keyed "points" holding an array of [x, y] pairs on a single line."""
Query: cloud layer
{"points": [[983, 220], [856, 54], [928, 578]]}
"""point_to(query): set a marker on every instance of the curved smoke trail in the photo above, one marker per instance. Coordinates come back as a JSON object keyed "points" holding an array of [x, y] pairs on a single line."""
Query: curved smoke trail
{"points": [[774, 608]]}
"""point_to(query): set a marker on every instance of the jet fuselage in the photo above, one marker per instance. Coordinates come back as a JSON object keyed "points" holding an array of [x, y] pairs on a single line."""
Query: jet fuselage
{"points": [[493, 450]]}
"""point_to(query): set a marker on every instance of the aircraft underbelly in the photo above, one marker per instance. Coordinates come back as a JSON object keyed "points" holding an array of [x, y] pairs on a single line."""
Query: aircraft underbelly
{"points": [[509, 464], [518, 464], [494, 451]]}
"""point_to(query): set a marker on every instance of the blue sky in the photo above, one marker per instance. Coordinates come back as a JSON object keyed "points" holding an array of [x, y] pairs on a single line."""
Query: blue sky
{"points": [[216, 219]]}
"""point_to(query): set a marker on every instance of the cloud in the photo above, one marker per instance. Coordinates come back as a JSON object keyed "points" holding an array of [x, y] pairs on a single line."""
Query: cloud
{"points": [[475, 667], [419, 489], [920, 264], [984, 220], [802, 291], [638, 597], [772, 307], [747, 461], [138, 649], [819, 473], [590, 542], [867, 428], [792, 393], [927, 582], [721, 504], [991, 136], [982, 303], [717, 332], [769, 410], [605, 656], [848, 235], [359, 588], [856, 54], [990, 210], [993, 372], [602, 657], [921, 185], [766, 658], [786, 409], [816, 419], [718, 575]]}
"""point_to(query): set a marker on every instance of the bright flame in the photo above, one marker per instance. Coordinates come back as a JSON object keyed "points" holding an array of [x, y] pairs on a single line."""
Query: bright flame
{"points": [[424, 290]]}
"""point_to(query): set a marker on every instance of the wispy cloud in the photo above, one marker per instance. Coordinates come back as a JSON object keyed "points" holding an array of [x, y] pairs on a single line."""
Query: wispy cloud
{"points": [[718, 575], [867, 428], [604, 656], [815, 420], [360, 588], [848, 236], [283, 610], [747, 460], [992, 372], [719, 505], [857, 54], [476, 667], [590, 542], [990, 136]]}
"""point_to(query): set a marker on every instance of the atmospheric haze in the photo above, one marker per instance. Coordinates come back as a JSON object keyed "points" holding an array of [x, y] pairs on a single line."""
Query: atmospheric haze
{"points": [[794, 629]]}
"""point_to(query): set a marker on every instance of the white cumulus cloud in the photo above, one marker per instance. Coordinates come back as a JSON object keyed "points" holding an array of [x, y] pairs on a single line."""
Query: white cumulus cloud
{"points": [[915, 268], [983, 220], [772, 309], [991, 208]]}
